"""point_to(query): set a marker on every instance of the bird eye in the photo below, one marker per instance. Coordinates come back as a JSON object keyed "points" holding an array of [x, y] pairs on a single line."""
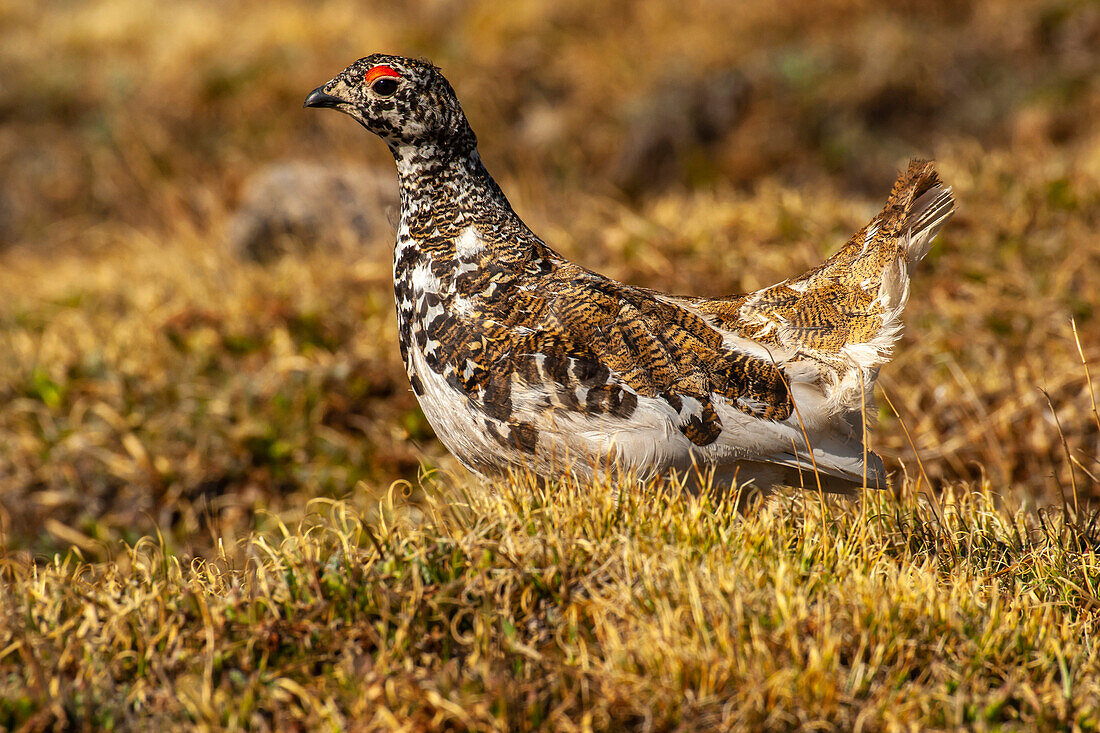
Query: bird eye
{"points": [[384, 87]]}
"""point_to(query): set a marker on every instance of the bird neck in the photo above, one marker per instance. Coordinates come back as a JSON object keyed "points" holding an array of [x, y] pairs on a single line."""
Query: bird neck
{"points": [[449, 190]]}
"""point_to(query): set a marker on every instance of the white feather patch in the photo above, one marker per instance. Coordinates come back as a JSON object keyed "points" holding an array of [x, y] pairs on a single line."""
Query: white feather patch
{"points": [[469, 244]]}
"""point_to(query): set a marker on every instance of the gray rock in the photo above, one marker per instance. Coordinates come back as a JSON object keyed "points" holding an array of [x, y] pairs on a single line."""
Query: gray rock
{"points": [[299, 206]]}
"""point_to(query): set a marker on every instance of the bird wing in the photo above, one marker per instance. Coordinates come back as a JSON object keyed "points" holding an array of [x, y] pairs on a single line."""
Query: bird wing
{"points": [[731, 398]]}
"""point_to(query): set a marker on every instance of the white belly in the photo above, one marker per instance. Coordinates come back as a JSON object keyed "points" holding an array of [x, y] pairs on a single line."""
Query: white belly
{"points": [[457, 423]]}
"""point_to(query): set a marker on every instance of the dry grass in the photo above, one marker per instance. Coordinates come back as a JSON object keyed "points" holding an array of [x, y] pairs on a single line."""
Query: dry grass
{"points": [[152, 385], [575, 608]]}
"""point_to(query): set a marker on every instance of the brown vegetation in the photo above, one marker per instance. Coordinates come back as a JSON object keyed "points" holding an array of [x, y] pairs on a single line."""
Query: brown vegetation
{"points": [[151, 381]]}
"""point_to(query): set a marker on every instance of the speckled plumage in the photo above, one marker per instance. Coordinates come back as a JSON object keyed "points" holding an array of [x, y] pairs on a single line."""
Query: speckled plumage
{"points": [[521, 358]]}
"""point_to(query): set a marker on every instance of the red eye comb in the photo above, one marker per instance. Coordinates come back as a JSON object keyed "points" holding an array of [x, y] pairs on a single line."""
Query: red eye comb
{"points": [[380, 71]]}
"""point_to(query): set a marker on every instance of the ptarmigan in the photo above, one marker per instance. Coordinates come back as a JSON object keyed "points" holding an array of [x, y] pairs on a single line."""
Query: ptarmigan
{"points": [[523, 359]]}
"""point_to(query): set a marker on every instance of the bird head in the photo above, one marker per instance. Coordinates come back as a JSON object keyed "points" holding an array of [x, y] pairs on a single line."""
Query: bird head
{"points": [[404, 101]]}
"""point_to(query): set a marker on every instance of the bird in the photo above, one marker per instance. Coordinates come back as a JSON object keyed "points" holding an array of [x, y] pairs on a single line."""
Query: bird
{"points": [[523, 360]]}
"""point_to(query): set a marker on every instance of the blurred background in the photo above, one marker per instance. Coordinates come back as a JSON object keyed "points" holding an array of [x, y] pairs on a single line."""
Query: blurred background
{"points": [[196, 322]]}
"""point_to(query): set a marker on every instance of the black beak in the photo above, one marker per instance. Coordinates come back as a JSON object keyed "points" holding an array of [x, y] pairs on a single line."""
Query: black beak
{"points": [[318, 98]]}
